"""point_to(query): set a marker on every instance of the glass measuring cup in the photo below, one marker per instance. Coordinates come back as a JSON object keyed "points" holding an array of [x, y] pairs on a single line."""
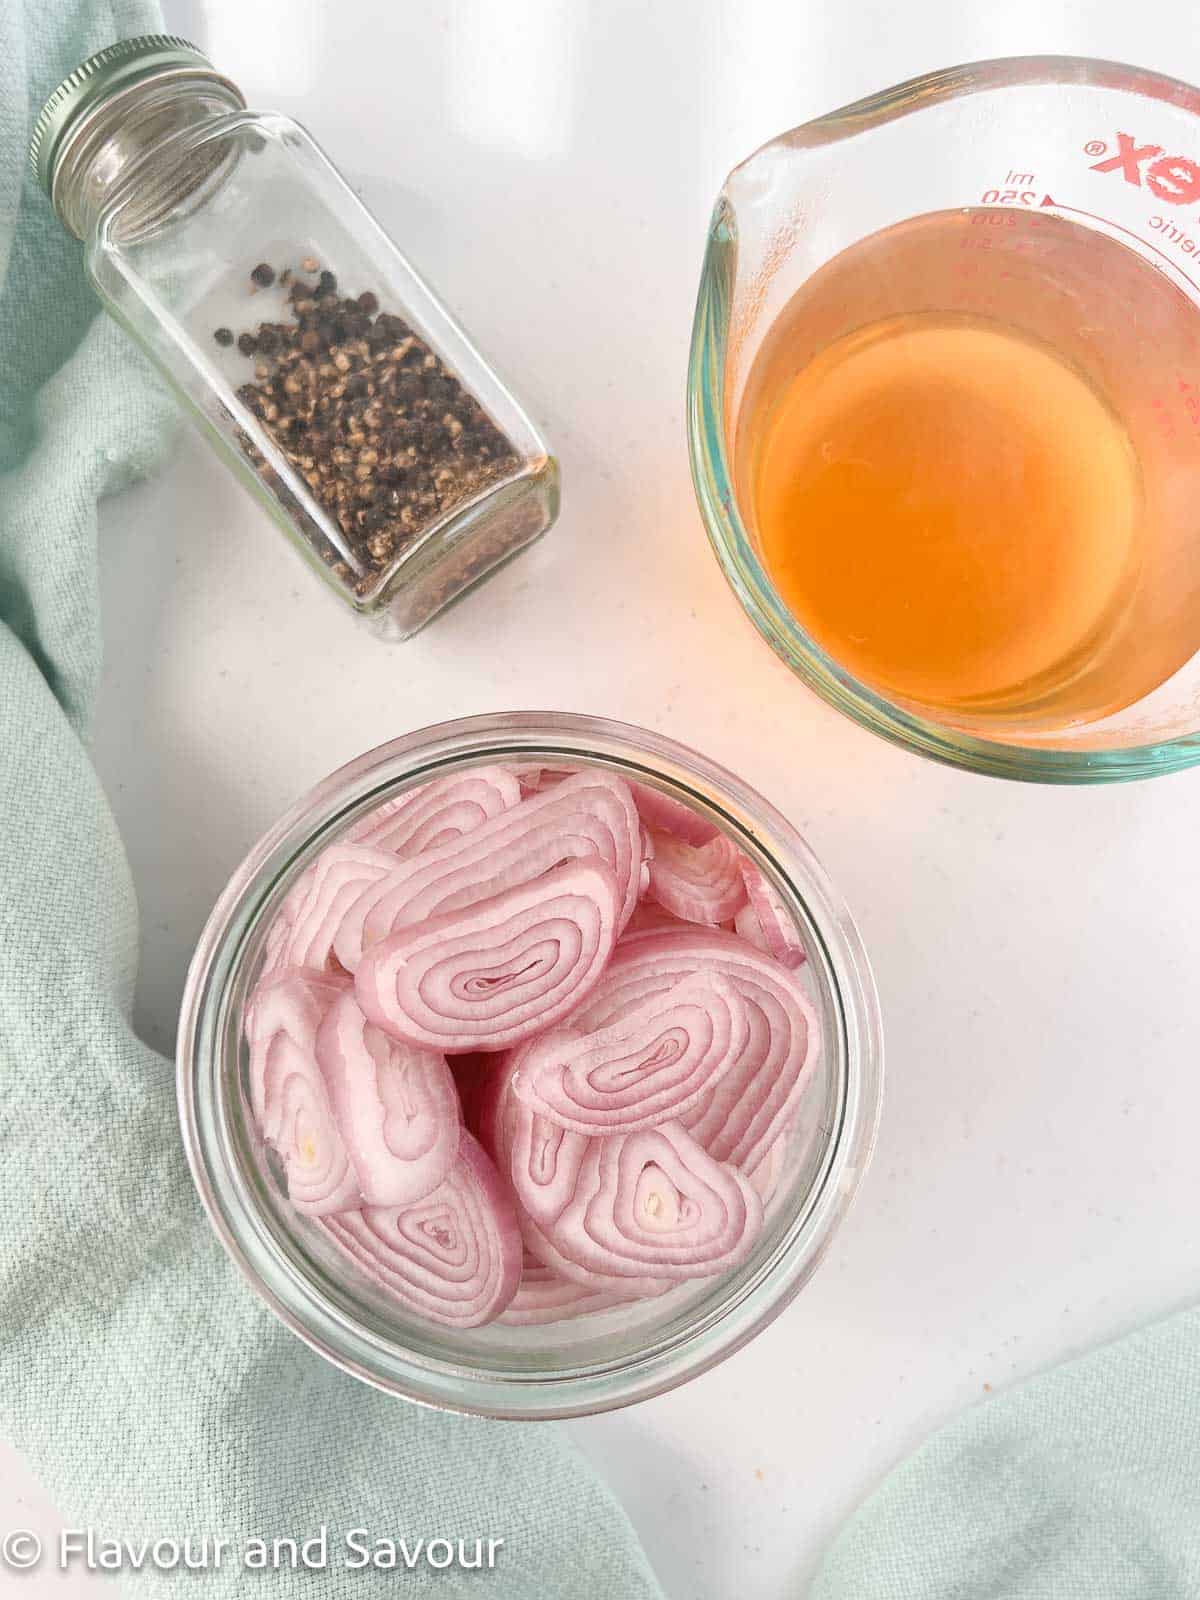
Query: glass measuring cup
{"points": [[1057, 200]]}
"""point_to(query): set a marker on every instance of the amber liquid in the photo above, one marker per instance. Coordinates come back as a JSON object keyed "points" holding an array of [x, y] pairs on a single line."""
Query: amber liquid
{"points": [[952, 453]]}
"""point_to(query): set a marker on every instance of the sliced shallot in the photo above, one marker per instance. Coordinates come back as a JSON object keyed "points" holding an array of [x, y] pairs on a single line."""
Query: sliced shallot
{"points": [[534, 776], [764, 919], [288, 1095], [699, 883], [331, 886], [543, 1160], [591, 814], [395, 1105], [653, 1063], [757, 1096], [543, 1163], [545, 1297], [503, 1016], [668, 815], [492, 975], [278, 936], [655, 1202], [439, 812], [622, 1286], [454, 1256]]}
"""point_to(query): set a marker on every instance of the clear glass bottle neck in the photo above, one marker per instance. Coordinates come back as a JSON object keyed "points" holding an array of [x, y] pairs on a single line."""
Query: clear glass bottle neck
{"points": [[129, 149]]}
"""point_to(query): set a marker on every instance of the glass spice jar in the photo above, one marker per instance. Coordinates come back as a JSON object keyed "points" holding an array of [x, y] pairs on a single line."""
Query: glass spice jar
{"points": [[320, 366]]}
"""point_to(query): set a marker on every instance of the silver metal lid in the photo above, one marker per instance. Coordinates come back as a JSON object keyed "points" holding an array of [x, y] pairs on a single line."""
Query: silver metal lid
{"points": [[102, 75]]}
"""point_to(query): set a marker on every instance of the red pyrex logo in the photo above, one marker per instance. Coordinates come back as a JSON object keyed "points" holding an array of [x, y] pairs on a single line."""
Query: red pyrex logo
{"points": [[1175, 179]]}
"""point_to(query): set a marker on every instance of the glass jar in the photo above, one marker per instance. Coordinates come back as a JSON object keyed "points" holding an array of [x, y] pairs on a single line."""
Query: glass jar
{"points": [[319, 365], [605, 1359]]}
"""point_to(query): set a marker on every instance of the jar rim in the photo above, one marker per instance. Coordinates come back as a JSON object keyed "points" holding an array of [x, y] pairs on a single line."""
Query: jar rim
{"points": [[90, 104], [753, 1298]]}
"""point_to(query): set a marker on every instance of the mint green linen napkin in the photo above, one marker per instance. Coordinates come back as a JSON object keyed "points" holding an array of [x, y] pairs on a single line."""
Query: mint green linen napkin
{"points": [[151, 1391], [1082, 1484]]}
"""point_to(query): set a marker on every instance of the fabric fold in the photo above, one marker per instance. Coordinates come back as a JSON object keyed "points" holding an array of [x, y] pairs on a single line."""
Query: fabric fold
{"points": [[1078, 1485]]}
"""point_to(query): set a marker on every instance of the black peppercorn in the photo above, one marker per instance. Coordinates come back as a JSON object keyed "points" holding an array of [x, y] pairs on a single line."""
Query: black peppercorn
{"points": [[263, 275], [381, 433]]}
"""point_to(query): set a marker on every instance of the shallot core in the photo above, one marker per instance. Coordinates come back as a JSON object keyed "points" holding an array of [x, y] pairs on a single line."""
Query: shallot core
{"points": [[543, 954]]}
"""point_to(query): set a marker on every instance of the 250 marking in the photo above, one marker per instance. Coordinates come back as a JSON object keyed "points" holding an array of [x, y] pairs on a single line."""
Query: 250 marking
{"points": [[1009, 197]]}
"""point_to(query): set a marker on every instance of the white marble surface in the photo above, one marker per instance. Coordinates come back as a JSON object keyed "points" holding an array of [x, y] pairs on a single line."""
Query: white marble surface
{"points": [[550, 166]]}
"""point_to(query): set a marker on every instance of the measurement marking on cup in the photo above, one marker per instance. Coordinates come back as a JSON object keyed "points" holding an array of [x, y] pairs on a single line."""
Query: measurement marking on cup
{"points": [[1094, 216], [1174, 235], [1011, 196], [1017, 191]]}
